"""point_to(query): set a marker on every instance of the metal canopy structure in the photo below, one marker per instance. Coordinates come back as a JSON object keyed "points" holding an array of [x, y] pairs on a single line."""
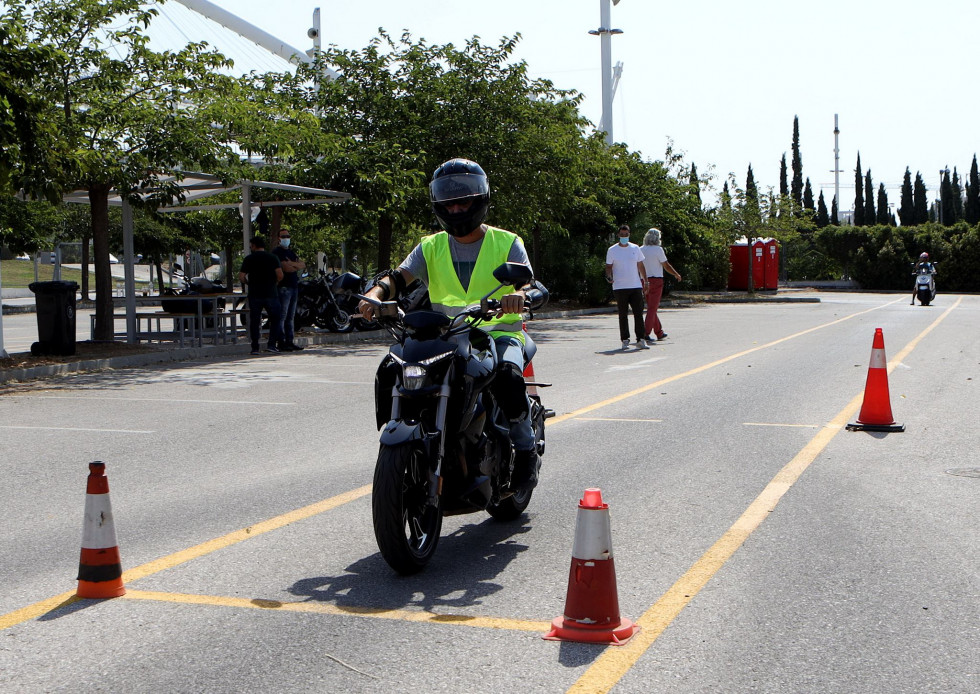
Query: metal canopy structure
{"points": [[194, 187]]}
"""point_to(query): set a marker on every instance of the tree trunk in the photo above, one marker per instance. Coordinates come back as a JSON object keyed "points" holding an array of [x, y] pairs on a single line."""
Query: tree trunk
{"points": [[85, 262], [229, 268], [159, 266], [385, 227], [98, 195]]}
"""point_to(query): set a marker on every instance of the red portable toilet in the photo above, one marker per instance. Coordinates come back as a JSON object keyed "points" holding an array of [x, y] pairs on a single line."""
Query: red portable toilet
{"points": [[771, 263], [738, 277]]}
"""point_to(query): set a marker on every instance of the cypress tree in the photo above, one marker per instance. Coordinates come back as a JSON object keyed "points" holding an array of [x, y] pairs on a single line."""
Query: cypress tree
{"points": [[883, 216], [906, 212], [751, 194], [957, 197], [695, 183], [947, 211], [869, 202], [783, 181], [971, 210], [858, 219], [920, 202], [823, 219], [797, 187], [834, 213], [808, 196]]}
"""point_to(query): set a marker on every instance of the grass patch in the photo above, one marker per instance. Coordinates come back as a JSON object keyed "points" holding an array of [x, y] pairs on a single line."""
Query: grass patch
{"points": [[17, 274]]}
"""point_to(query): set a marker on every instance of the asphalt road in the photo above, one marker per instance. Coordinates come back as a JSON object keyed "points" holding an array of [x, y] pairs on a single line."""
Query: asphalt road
{"points": [[760, 546]]}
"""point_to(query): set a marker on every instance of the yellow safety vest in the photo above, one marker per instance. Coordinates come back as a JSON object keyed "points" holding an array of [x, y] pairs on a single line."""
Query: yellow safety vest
{"points": [[446, 292]]}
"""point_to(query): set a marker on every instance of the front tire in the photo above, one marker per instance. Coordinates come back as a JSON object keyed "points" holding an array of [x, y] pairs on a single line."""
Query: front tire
{"points": [[406, 526]]}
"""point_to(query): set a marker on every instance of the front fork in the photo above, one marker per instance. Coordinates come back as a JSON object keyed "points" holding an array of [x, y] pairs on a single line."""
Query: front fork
{"points": [[442, 409]]}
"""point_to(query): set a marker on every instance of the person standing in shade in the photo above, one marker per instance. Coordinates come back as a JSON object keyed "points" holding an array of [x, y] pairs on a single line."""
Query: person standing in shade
{"points": [[624, 268], [288, 290], [655, 262], [261, 272]]}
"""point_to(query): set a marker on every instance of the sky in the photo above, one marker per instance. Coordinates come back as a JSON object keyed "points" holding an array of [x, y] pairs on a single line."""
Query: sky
{"points": [[719, 81]]}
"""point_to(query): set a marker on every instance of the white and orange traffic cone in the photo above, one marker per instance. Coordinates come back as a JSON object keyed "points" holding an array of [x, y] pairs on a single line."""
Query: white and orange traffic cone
{"points": [[99, 568], [592, 604], [876, 409]]}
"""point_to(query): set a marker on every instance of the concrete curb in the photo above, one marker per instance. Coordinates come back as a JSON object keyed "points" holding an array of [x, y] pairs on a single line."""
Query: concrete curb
{"points": [[179, 354]]}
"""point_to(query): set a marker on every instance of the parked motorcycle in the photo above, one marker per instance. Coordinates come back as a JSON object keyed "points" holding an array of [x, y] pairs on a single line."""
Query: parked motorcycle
{"points": [[925, 284], [445, 443], [191, 286], [326, 301]]}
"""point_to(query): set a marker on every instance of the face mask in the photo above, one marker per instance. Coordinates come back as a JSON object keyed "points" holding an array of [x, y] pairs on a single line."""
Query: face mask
{"points": [[284, 243], [624, 240]]}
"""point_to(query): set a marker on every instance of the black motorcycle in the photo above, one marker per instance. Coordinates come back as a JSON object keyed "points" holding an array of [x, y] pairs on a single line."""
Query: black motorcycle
{"points": [[323, 301], [445, 442], [174, 301]]}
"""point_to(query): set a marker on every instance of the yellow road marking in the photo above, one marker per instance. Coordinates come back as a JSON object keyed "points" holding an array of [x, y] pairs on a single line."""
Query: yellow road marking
{"points": [[773, 424], [610, 667], [44, 606], [329, 609], [577, 414]]}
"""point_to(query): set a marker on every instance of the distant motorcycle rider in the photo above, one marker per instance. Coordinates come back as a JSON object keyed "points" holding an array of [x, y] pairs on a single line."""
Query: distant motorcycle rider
{"points": [[457, 266], [924, 263]]}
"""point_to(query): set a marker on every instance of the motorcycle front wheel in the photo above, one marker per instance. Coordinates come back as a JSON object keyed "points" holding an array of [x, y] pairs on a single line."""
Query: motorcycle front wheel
{"points": [[338, 322], [406, 526]]}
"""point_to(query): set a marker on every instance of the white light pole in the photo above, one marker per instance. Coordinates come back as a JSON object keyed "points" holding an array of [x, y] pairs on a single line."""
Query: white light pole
{"points": [[605, 36]]}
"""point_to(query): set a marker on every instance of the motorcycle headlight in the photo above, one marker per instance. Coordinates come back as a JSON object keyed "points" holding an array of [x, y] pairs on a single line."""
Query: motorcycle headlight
{"points": [[413, 376]]}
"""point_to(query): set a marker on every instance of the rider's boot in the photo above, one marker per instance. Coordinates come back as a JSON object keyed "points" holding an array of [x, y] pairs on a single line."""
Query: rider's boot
{"points": [[526, 466]]}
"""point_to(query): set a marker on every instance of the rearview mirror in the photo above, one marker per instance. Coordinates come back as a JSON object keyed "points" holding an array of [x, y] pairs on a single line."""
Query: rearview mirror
{"points": [[514, 274]]}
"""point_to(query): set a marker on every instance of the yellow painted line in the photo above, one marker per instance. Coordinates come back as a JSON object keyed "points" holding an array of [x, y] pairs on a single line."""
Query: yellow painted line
{"points": [[336, 610], [577, 414], [610, 667], [773, 424], [614, 419], [43, 607]]}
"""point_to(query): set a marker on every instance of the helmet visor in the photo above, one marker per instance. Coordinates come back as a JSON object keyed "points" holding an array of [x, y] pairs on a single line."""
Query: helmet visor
{"points": [[456, 186]]}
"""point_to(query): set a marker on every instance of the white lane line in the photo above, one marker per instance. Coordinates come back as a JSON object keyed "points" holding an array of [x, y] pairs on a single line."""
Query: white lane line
{"points": [[100, 431], [205, 402]]}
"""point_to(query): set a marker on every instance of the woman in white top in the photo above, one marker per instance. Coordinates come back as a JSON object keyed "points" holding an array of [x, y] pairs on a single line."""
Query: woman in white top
{"points": [[655, 262]]}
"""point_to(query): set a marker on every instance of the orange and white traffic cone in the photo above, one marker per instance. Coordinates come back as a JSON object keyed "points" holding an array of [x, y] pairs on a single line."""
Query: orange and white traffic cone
{"points": [[876, 409], [99, 568], [592, 603]]}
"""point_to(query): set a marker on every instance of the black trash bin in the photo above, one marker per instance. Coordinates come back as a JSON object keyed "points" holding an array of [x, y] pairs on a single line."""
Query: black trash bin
{"points": [[55, 317]]}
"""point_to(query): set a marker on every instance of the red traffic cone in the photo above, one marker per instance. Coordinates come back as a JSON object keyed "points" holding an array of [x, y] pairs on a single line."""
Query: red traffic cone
{"points": [[592, 604], [876, 410], [99, 568]]}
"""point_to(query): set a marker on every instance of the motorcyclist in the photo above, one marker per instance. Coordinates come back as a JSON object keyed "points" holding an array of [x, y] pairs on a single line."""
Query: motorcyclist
{"points": [[457, 266], [924, 263]]}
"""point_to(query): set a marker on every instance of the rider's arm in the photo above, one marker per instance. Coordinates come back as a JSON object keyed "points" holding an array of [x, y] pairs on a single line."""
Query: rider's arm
{"points": [[383, 290]]}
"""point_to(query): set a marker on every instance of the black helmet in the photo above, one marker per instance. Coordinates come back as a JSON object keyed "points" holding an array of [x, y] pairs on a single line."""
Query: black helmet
{"points": [[455, 181]]}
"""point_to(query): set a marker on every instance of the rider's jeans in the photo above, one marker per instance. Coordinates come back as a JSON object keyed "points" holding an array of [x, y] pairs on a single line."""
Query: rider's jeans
{"points": [[510, 349], [287, 303]]}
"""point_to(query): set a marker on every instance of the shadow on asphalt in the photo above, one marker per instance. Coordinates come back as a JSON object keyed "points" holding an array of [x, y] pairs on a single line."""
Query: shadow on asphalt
{"points": [[460, 574]]}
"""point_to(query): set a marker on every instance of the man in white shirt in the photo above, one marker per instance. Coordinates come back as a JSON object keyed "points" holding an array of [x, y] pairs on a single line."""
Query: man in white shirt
{"points": [[624, 268]]}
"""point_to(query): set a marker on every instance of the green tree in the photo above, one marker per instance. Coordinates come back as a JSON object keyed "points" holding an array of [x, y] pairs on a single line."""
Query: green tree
{"points": [[906, 211], [971, 208], [834, 212], [869, 201], [797, 185], [920, 201], [859, 218], [956, 194], [882, 217], [124, 113], [695, 183], [783, 179], [823, 219], [947, 208], [808, 196]]}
